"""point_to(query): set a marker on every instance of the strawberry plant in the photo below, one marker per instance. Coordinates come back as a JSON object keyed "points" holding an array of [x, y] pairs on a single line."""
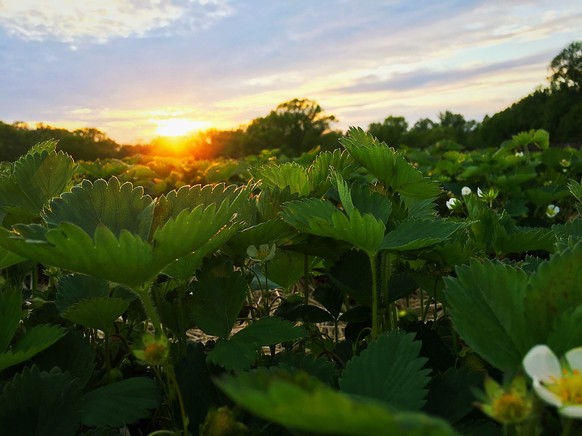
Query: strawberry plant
{"points": [[366, 290]]}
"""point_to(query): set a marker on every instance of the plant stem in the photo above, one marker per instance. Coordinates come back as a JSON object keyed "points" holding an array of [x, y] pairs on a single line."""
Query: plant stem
{"points": [[567, 426], [34, 277], [150, 308], [306, 279], [172, 379], [374, 295], [385, 274], [266, 292]]}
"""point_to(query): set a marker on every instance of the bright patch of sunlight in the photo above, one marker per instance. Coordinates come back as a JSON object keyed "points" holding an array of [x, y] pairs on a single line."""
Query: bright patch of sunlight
{"points": [[179, 126]]}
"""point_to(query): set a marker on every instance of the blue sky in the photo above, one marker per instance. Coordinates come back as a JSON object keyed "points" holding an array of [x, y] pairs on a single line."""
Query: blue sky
{"points": [[128, 66]]}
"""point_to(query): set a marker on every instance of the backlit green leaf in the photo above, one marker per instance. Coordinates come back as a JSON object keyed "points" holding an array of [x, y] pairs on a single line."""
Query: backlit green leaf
{"points": [[302, 403], [98, 313]]}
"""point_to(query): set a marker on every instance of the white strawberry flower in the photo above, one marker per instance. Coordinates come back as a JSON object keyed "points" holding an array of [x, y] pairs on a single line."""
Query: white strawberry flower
{"points": [[552, 210], [453, 203], [556, 384]]}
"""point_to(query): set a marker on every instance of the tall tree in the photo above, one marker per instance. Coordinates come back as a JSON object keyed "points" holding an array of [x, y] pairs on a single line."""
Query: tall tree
{"points": [[567, 68], [391, 130], [293, 127]]}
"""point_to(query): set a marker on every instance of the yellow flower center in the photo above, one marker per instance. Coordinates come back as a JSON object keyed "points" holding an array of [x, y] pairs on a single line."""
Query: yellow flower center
{"points": [[155, 353], [568, 387], [510, 408]]}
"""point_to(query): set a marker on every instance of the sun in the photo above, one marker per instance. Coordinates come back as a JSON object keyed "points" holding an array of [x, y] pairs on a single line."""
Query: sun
{"points": [[174, 127]]}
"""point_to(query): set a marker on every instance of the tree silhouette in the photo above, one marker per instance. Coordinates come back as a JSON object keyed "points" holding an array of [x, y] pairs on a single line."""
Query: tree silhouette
{"points": [[567, 67]]}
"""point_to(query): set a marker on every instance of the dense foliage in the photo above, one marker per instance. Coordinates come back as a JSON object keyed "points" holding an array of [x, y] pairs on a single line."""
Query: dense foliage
{"points": [[360, 291]]}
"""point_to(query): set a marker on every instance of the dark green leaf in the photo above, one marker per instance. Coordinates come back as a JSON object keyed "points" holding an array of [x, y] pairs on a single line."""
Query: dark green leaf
{"points": [[242, 349], [389, 370], [73, 288], [217, 301], [120, 403], [413, 234], [34, 341], [41, 404], [555, 288], [450, 396], [486, 301], [10, 312], [566, 331], [72, 353]]}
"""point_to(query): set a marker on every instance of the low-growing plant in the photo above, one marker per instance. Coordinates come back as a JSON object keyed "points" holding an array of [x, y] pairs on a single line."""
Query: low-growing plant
{"points": [[344, 292]]}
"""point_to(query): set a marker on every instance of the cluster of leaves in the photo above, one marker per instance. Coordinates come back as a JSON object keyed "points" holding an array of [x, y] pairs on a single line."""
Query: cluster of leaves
{"points": [[299, 276]]}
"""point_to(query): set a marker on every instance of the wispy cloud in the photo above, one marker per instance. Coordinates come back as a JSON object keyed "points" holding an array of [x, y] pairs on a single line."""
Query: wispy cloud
{"points": [[228, 61], [424, 77], [75, 21]]}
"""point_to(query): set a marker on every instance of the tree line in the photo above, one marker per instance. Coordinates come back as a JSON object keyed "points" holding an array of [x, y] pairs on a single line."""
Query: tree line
{"points": [[300, 125]]}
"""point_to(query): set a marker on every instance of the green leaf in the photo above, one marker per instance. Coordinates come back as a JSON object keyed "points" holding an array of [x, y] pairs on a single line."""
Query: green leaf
{"points": [[321, 218], [73, 288], [73, 353], [344, 193], [40, 403], [287, 267], [33, 342], [121, 403], [413, 234], [319, 367], [289, 174], [555, 288], [302, 403], [389, 370], [241, 351], [486, 301], [575, 189], [389, 167], [126, 260], [319, 170], [119, 207], [125, 253], [351, 273], [35, 178], [521, 240], [185, 267], [268, 202], [187, 198], [450, 394], [566, 331], [192, 370], [189, 231], [368, 201], [8, 258], [217, 301], [10, 313], [97, 313]]}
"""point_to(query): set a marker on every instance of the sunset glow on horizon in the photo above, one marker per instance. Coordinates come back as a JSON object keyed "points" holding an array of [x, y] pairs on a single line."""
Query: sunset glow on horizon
{"points": [[139, 70], [176, 127]]}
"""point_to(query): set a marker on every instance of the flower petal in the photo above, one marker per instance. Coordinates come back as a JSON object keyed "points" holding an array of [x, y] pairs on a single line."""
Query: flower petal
{"points": [[571, 411], [541, 363], [546, 395], [574, 358]]}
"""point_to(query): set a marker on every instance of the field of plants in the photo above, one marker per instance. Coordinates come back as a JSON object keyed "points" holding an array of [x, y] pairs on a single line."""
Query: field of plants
{"points": [[365, 291]]}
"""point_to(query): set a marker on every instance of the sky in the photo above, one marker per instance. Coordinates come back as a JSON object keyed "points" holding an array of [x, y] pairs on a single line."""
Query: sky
{"points": [[135, 69]]}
